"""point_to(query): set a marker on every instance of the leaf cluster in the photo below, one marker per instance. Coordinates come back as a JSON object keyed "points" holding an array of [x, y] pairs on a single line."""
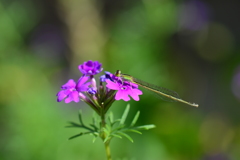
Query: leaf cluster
{"points": [[112, 127]]}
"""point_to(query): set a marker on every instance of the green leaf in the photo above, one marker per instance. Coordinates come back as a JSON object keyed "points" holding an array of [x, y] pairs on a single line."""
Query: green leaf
{"points": [[133, 130], [105, 130], [110, 118], [94, 139], [116, 135], [95, 135], [94, 119], [95, 127], [80, 117], [75, 136], [116, 121], [135, 118], [106, 139], [109, 128], [118, 128], [125, 114], [73, 124], [146, 127], [125, 135], [82, 133]]}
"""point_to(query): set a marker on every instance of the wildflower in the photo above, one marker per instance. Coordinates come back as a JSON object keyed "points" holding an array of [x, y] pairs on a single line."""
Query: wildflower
{"points": [[100, 97], [124, 90], [90, 68], [71, 90]]}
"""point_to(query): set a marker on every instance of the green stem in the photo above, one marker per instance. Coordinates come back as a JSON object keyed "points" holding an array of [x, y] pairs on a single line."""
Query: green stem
{"points": [[107, 148], [103, 136]]}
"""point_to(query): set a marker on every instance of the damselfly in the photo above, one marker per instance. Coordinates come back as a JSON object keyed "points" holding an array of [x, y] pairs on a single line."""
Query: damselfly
{"points": [[161, 92]]}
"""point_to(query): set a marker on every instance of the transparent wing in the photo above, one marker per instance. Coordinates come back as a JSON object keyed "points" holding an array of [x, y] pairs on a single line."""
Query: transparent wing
{"points": [[157, 90]]}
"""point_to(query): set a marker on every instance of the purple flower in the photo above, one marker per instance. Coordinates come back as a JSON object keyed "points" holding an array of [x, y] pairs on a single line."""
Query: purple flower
{"points": [[106, 76], [124, 90], [71, 90], [90, 68]]}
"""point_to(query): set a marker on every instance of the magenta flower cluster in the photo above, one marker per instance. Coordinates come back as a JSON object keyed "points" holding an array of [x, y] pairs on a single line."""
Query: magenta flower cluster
{"points": [[72, 91], [97, 96]]}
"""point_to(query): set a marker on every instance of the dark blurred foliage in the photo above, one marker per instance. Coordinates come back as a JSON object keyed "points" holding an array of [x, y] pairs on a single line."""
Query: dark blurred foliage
{"points": [[187, 46]]}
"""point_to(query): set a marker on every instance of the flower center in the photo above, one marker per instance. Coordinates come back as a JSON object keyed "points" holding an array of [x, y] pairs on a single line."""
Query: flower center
{"points": [[123, 88], [73, 89]]}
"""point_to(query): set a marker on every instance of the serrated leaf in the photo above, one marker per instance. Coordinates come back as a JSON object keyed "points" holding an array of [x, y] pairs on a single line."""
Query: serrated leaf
{"points": [[80, 117], [135, 118], [146, 127], [125, 135], [125, 114]]}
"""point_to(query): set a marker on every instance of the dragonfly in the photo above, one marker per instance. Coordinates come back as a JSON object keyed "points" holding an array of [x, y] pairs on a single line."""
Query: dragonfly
{"points": [[162, 93]]}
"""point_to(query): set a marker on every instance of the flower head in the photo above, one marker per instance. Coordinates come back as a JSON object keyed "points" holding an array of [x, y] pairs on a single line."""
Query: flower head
{"points": [[71, 90], [124, 90], [90, 68]]}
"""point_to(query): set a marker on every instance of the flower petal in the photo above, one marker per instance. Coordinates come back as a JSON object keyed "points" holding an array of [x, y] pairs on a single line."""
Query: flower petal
{"points": [[135, 94], [112, 85], [62, 94], [134, 85], [137, 91], [89, 64], [82, 80], [68, 100], [73, 96], [122, 95], [86, 66], [97, 67], [106, 76], [70, 84], [81, 69], [83, 87]]}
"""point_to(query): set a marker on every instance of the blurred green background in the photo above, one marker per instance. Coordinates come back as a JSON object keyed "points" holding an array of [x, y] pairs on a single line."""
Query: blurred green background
{"points": [[191, 47]]}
